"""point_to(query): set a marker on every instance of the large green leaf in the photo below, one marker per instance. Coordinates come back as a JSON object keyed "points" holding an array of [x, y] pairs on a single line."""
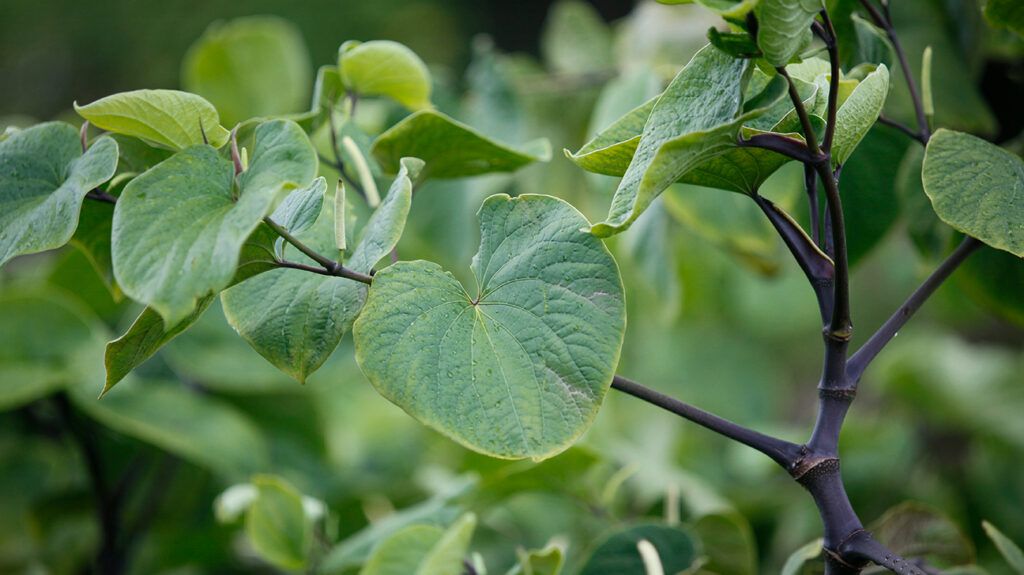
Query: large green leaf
{"points": [[976, 187], [47, 342], [451, 149], [870, 204], [168, 118], [44, 178], [198, 428], [249, 67], [728, 543], [931, 237], [858, 113], [277, 525], [423, 550], [993, 278], [917, 531], [612, 149], [784, 27], [178, 229], [696, 118], [148, 333], [294, 318], [519, 369], [385, 68], [575, 39], [618, 554]]}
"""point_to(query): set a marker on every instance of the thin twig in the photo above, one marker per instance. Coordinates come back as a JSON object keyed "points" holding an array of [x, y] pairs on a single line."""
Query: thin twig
{"points": [[330, 267], [782, 452], [903, 128], [801, 112], [101, 196], [877, 342], [885, 23]]}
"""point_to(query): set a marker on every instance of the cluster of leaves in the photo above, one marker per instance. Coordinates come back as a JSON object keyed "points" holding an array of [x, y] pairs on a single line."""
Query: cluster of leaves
{"points": [[175, 210]]}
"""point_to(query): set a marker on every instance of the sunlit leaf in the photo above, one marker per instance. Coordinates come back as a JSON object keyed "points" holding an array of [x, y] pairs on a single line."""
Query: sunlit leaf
{"points": [[385, 68], [168, 118], [44, 177], [451, 149], [520, 368]]}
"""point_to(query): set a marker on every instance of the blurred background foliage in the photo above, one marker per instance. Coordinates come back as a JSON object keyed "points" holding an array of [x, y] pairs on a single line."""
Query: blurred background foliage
{"points": [[718, 316]]}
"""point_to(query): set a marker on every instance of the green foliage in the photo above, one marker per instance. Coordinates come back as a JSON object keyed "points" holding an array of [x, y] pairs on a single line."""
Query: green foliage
{"points": [[690, 122], [45, 177], [858, 113], [277, 525], [973, 186], [533, 351], [575, 39], [423, 550], [248, 68], [676, 549], [784, 27], [385, 68], [296, 319], [157, 235], [546, 561], [167, 118], [451, 149]]}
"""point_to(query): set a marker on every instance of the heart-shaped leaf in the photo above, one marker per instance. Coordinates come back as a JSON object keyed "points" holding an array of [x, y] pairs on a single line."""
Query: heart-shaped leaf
{"points": [[451, 149], [249, 67], [296, 319], [784, 27], [976, 187], [178, 229], [385, 68], [44, 178], [168, 118], [698, 117], [519, 369], [148, 333]]}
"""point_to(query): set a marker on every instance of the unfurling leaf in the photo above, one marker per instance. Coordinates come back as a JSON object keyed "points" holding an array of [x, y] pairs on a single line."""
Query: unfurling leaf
{"points": [[976, 187], [44, 178], [451, 149], [385, 68], [519, 369], [167, 118]]}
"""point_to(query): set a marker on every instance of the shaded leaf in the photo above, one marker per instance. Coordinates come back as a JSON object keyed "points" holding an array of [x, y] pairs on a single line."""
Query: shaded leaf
{"points": [[546, 561], [423, 550], [795, 562], [1011, 552], [44, 178], [520, 369], [916, 531], [575, 39], [200, 429], [618, 553]]}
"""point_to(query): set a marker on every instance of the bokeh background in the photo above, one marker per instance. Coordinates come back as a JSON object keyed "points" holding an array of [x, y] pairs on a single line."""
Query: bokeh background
{"points": [[718, 315]]}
